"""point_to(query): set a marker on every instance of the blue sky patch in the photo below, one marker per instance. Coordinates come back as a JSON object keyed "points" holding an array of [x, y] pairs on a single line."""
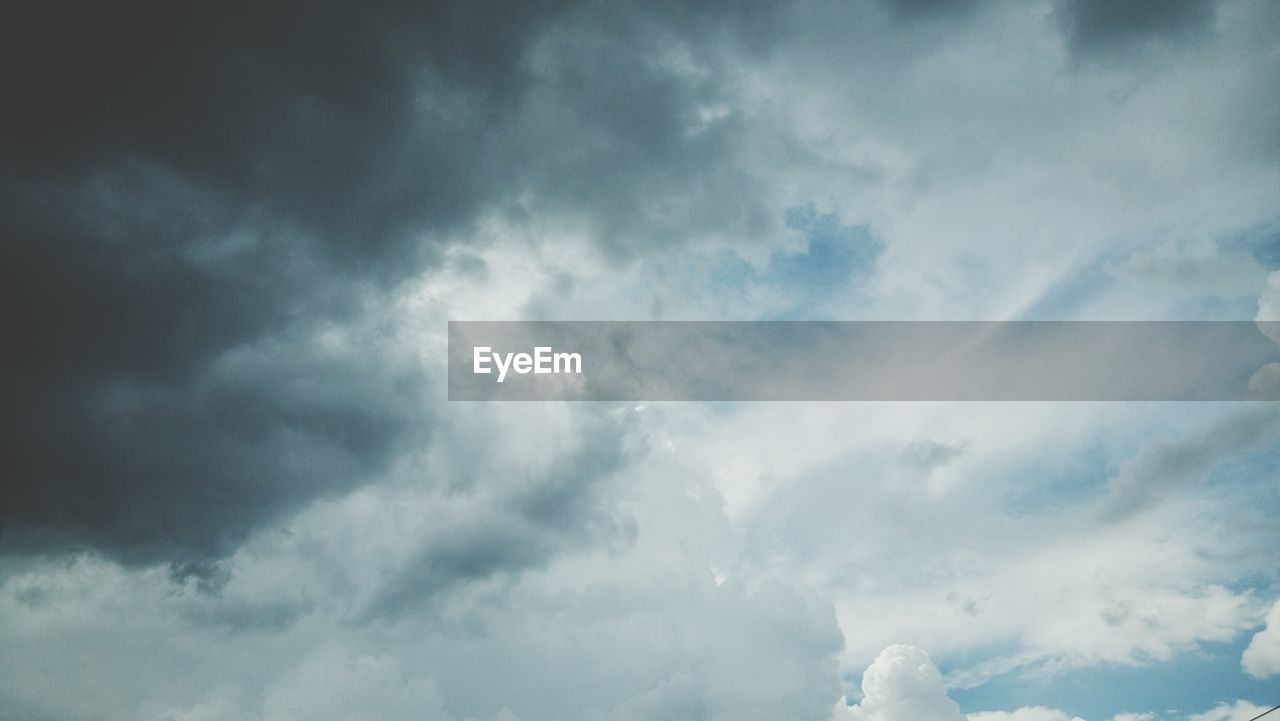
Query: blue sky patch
{"points": [[836, 257]]}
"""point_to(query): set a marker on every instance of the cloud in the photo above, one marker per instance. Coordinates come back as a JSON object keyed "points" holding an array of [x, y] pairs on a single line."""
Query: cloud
{"points": [[1262, 657], [1241, 710], [199, 198], [1034, 713], [1163, 468], [627, 640], [915, 9], [1098, 25], [524, 526], [333, 685], [1269, 307], [245, 107], [1003, 546], [902, 684], [262, 181], [180, 464], [1203, 270]]}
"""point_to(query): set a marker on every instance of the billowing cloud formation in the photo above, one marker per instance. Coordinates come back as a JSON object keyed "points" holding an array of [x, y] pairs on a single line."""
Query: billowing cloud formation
{"points": [[902, 684], [1262, 657], [1269, 304]]}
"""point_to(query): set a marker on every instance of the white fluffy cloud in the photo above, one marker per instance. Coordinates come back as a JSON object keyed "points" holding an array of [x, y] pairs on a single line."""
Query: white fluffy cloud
{"points": [[1269, 304], [903, 684], [1240, 710], [1262, 657], [1036, 713]]}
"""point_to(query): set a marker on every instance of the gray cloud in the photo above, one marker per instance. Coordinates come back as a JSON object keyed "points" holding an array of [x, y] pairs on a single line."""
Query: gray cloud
{"points": [[530, 522], [192, 196], [912, 9], [1164, 468], [1110, 25]]}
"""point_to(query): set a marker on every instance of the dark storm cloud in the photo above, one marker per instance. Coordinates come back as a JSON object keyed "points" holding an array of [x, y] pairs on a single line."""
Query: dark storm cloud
{"points": [[1108, 25], [181, 467], [329, 116], [191, 193]]}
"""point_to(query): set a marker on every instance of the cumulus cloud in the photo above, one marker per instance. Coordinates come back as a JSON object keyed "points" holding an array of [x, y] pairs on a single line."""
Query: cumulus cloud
{"points": [[902, 684], [1262, 657], [1269, 307]]}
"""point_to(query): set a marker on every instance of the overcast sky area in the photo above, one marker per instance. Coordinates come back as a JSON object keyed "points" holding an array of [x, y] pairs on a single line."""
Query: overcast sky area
{"points": [[233, 488]]}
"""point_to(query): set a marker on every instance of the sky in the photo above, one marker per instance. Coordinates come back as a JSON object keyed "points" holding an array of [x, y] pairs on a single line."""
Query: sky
{"points": [[233, 488]]}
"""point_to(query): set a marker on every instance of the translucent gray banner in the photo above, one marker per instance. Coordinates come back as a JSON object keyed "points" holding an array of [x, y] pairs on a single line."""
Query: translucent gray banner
{"points": [[864, 360]]}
